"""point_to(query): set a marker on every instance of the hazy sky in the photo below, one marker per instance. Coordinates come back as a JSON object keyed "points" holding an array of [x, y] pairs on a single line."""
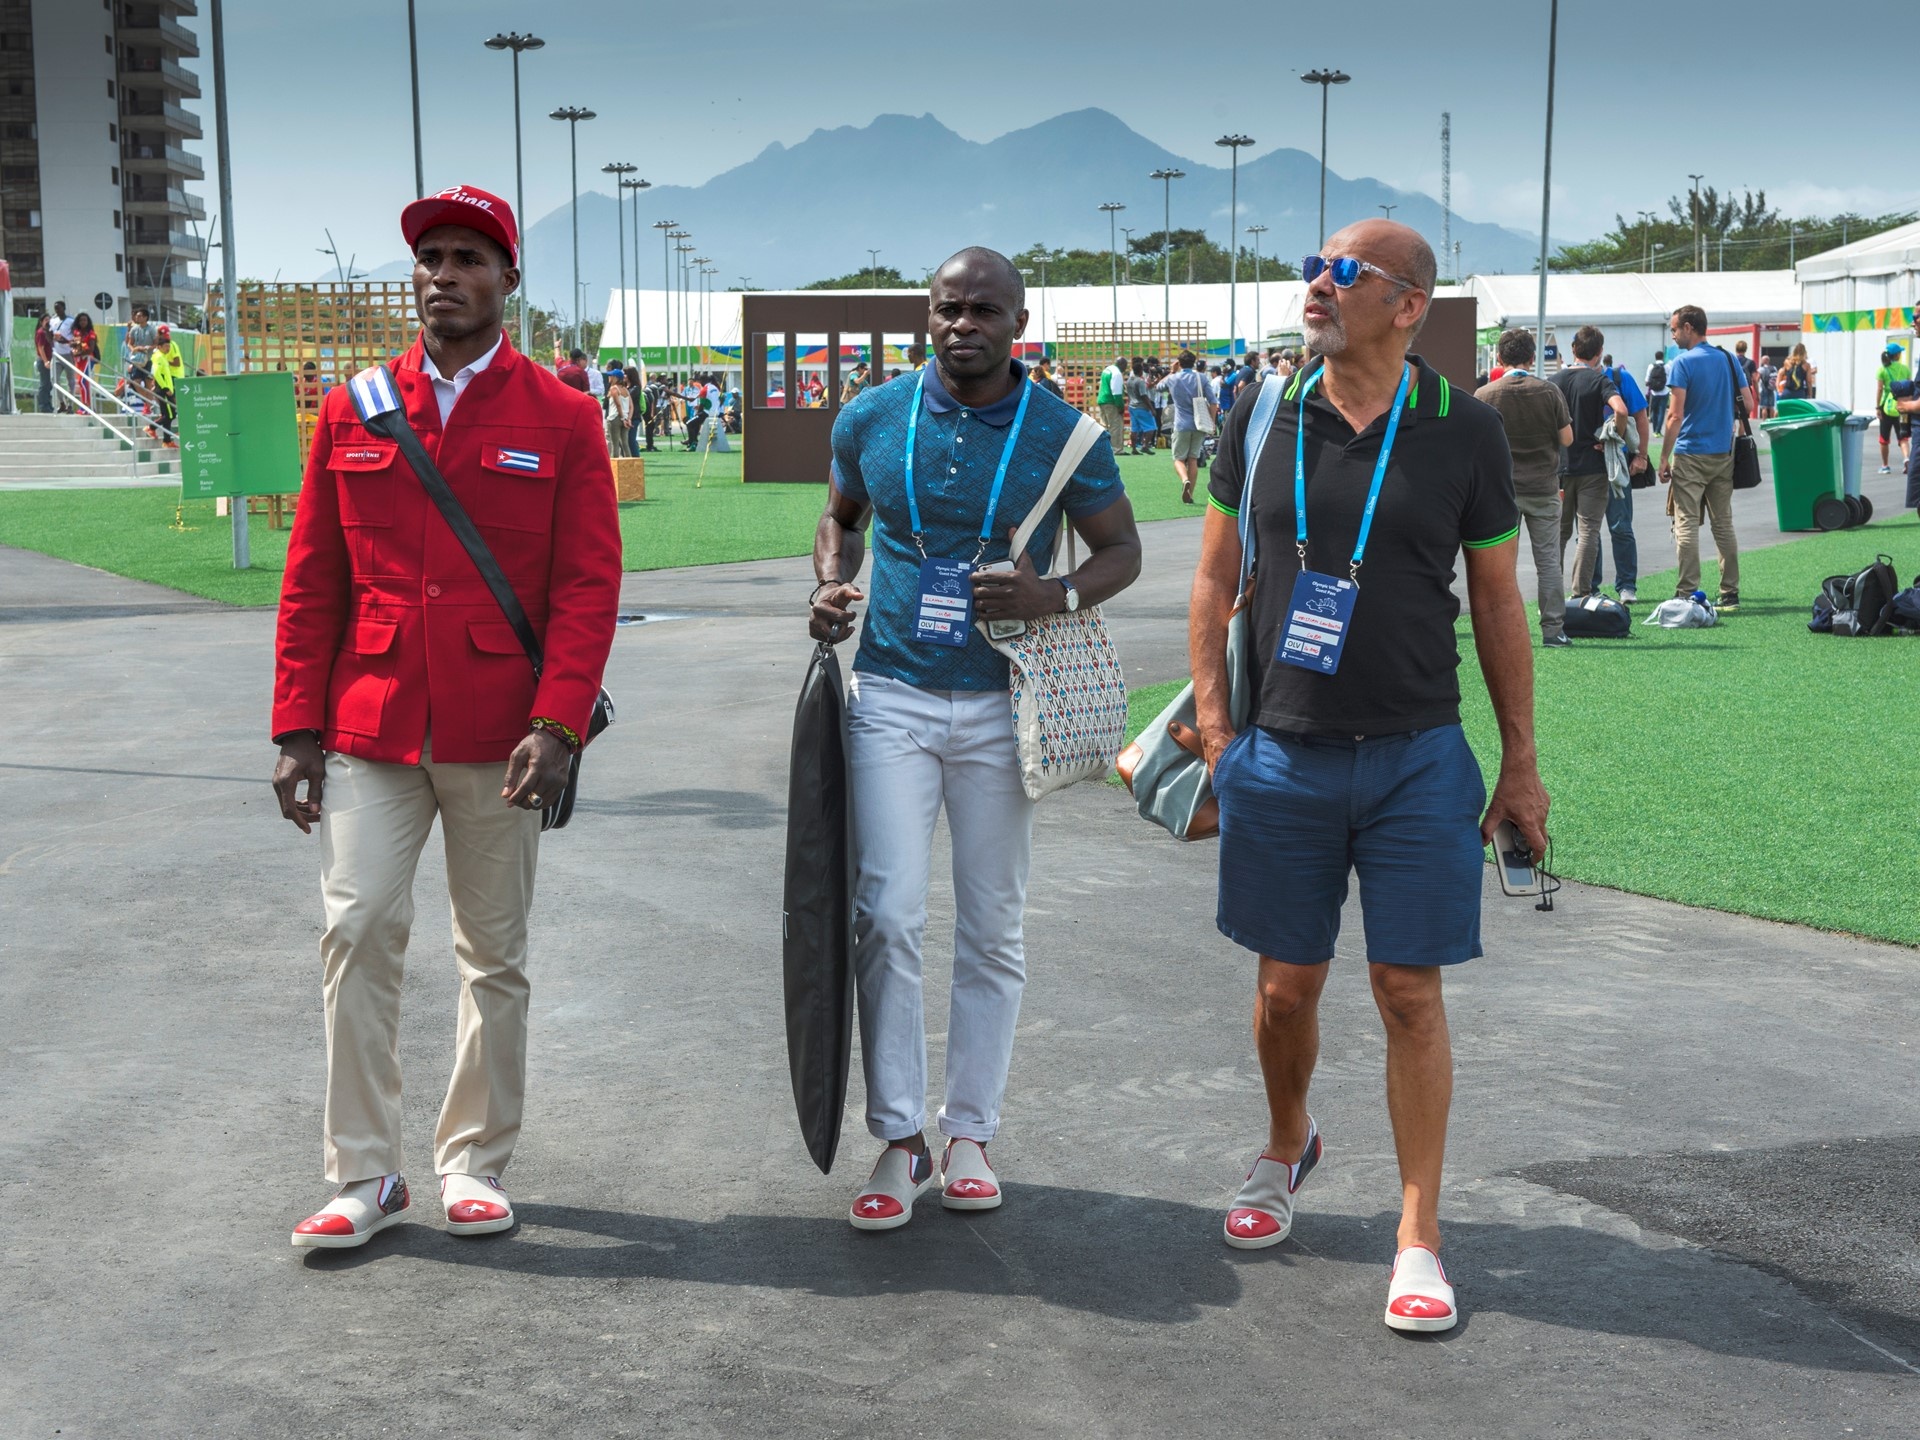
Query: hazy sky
{"points": [[322, 134]]}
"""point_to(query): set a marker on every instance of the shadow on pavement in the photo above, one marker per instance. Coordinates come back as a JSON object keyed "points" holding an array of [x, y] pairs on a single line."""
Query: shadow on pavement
{"points": [[727, 809], [1158, 1262]]}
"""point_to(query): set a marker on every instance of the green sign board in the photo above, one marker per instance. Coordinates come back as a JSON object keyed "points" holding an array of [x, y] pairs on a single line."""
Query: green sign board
{"points": [[238, 436]]}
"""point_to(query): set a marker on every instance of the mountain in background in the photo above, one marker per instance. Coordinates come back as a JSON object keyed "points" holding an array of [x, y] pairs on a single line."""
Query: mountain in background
{"points": [[917, 192]]}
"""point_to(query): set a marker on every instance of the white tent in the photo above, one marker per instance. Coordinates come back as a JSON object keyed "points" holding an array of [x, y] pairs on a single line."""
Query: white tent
{"points": [[1855, 300], [1632, 308], [1275, 307]]}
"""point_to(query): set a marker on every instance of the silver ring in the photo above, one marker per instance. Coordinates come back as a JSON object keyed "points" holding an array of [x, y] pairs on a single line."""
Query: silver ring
{"points": [[534, 801]]}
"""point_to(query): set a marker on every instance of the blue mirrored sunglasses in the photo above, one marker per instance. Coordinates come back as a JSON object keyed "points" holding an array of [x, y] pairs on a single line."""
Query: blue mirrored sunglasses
{"points": [[1346, 271]]}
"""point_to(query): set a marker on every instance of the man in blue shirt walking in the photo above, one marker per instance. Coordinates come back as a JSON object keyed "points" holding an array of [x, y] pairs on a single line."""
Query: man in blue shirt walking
{"points": [[1696, 453], [948, 463]]}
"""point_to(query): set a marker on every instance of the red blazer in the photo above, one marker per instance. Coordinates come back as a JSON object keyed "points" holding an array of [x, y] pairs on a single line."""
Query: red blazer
{"points": [[386, 629]]}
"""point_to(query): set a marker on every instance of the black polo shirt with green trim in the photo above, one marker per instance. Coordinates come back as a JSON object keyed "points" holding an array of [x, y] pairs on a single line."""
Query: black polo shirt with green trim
{"points": [[1449, 483]]}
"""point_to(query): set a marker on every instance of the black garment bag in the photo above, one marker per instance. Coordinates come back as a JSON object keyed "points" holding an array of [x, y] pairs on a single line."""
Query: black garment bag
{"points": [[817, 926]]}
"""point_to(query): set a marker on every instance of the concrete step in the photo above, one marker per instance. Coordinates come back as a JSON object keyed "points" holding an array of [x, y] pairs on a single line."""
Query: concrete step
{"points": [[59, 444], [87, 469]]}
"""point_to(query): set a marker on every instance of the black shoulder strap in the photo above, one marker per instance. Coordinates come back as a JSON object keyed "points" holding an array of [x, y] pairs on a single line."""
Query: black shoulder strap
{"points": [[376, 397]]}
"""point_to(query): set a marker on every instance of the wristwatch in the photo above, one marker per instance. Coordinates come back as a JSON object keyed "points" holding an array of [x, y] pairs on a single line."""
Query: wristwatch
{"points": [[1073, 595]]}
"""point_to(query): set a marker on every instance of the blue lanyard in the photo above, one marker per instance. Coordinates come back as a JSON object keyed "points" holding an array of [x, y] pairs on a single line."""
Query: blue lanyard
{"points": [[1379, 470], [999, 477]]}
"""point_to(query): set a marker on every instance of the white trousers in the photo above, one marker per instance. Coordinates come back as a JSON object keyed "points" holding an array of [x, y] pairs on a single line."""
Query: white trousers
{"points": [[912, 751], [374, 822]]}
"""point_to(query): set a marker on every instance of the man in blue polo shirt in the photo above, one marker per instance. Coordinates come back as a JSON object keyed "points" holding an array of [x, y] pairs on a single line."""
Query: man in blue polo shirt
{"points": [[1696, 453], [948, 466]]}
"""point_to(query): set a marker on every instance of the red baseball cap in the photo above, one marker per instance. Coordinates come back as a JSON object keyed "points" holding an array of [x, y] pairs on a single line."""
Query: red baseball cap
{"points": [[463, 205]]}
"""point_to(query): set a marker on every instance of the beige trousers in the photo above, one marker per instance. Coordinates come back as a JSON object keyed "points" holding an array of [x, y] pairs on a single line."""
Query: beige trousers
{"points": [[1704, 482], [1583, 503], [1114, 417], [375, 819], [1541, 516]]}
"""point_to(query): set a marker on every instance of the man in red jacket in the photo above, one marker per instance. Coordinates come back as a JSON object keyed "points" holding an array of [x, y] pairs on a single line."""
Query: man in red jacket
{"points": [[401, 693]]}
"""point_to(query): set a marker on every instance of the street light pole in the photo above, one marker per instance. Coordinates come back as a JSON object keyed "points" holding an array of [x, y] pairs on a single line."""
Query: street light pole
{"points": [[573, 115], [1166, 176], [1546, 183], [873, 268], [1324, 79], [1113, 209], [1695, 207], [1646, 238], [1260, 330], [1389, 209], [229, 285], [696, 299], [635, 187], [1233, 144], [413, 65], [620, 171], [683, 250], [666, 227], [516, 42]]}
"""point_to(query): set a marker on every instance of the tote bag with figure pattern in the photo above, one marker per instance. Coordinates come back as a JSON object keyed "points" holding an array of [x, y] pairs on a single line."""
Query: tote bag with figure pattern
{"points": [[1068, 691]]}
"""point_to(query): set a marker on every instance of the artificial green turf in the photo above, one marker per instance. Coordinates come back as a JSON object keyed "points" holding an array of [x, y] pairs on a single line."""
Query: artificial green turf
{"points": [[687, 519], [1753, 767]]}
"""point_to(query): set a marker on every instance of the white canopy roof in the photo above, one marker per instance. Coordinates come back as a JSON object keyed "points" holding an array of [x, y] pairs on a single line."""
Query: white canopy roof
{"points": [[1888, 253], [1761, 296]]}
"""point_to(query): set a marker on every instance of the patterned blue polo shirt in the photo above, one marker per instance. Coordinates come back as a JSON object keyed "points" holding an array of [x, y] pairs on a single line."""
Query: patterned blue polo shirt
{"points": [[957, 451]]}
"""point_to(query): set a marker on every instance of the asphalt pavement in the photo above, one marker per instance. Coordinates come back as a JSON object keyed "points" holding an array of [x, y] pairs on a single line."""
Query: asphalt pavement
{"points": [[1634, 1172]]}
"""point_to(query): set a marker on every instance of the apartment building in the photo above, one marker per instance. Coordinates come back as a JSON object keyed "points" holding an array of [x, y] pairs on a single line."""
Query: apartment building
{"points": [[94, 170]]}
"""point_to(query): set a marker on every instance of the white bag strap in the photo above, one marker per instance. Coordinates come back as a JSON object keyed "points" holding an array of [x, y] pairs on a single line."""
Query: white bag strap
{"points": [[1078, 443]]}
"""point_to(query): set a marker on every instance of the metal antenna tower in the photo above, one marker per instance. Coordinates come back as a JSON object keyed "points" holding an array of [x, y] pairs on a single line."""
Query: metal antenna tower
{"points": [[1446, 185]]}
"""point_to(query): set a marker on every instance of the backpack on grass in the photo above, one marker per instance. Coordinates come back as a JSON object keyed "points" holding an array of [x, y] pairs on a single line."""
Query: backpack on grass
{"points": [[1858, 604], [1903, 611]]}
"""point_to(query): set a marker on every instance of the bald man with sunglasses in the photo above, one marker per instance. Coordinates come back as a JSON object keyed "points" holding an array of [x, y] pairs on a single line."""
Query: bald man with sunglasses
{"points": [[1370, 479]]}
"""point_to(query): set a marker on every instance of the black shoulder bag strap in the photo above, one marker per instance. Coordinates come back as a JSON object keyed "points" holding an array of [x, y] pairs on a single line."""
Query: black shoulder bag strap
{"points": [[376, 400]]}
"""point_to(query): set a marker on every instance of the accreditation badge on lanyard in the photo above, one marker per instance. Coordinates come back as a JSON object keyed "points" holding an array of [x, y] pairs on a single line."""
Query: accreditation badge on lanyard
{"points": [[943, 612], [1319, 618]]}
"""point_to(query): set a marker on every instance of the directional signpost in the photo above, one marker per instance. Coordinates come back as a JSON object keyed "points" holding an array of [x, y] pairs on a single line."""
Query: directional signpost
{"points": [[238, 438]]}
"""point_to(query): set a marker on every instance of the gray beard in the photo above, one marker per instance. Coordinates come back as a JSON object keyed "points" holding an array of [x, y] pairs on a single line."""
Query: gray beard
{"points": [[1328, 337]]}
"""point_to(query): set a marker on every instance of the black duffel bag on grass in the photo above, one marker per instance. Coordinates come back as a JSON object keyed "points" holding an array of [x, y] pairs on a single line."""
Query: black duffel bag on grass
{"points": [[1598, 617]]}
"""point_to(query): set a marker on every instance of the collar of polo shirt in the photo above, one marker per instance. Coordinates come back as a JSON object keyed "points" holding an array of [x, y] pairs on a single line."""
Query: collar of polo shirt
{"points": [[1000, 413]]}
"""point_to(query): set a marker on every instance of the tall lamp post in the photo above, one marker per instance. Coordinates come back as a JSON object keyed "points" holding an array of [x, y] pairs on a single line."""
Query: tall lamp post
{"points": [[666, 228], [635, 187], [573, 115], [1233, 144], [1695, 207], [413, 68], [1166, 176], [620, 171], [683, 250], [1127, 230], [1546, 184], [697, 299], [1260, 330], [1113, 209], [1324, 79], [1646, 238], [229, 286], [1389, 209], [516, 42], [1045, 258], [873, 268]]}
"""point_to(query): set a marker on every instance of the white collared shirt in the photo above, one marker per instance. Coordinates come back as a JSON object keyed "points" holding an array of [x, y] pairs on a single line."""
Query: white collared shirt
{"points": [[445, 391]]}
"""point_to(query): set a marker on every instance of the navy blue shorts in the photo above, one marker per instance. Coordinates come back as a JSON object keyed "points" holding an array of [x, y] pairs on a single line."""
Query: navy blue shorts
{"points": [[1299, 812]]}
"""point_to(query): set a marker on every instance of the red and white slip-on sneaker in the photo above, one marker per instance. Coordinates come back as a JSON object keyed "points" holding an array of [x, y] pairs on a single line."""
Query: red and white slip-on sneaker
{"points": [[475, 1205], [1418, 1295], [886, 1201], [355, 1215], [970, 1181], [1262, 1213]]}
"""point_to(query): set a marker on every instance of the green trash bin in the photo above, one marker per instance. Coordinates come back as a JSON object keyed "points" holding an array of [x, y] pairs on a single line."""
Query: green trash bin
{"points": [[1807, 465]]}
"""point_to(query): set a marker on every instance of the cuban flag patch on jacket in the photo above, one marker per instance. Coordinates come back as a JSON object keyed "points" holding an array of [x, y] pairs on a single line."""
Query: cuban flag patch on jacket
{"points": [[525, 461]]}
